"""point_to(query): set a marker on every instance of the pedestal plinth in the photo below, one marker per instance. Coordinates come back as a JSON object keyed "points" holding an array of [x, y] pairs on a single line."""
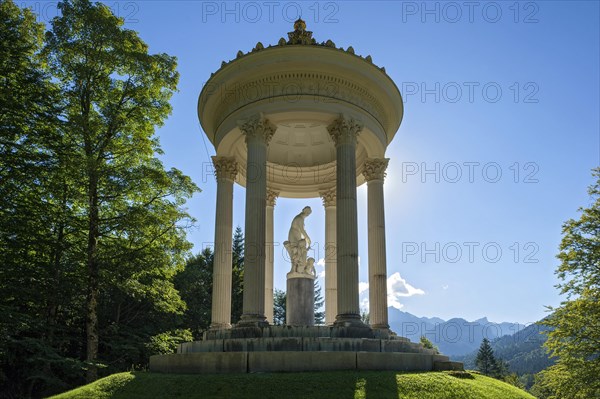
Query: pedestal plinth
{"points": [[300, 300]]}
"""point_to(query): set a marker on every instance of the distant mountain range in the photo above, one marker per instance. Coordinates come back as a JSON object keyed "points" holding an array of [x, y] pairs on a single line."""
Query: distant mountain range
{"points": [[522, 351], [454, 337], [520, 346]]}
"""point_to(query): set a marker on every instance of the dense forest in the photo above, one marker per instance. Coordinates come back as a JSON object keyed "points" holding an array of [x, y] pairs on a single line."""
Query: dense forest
{"points": [[94, 272]]}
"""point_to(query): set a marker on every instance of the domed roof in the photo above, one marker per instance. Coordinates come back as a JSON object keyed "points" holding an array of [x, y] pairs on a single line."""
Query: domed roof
{"points": [[301, 86], [299, 36]]}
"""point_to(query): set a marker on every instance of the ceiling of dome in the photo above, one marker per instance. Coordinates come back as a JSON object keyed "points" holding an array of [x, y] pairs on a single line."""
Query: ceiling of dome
{"points": [[301, 143]]}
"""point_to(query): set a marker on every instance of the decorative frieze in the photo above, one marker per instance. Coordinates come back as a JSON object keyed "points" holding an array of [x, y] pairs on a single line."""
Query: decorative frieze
{"points": [[325, 87], [374, 168]]}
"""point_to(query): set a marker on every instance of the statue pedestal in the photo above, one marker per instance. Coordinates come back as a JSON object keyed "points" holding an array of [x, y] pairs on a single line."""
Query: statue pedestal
{"points": [[300, 300]]}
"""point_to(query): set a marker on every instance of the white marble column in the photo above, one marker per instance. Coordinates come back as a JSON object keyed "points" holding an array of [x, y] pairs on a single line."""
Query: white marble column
{"points": [[344, 132], [330, 257], [270, 255], [225, 172], [374, 173], [258, 132]]}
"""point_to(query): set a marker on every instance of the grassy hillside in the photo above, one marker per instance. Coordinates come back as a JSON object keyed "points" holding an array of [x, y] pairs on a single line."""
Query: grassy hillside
{"points": [[340, 384]]}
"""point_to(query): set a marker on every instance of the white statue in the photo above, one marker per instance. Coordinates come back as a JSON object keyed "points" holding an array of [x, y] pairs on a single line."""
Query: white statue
{"points": [[309, 268], [298, 245]]}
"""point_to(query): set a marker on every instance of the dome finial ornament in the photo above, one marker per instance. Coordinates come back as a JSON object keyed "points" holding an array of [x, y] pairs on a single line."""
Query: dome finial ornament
{"points": [[300, 25], [300, 35]]}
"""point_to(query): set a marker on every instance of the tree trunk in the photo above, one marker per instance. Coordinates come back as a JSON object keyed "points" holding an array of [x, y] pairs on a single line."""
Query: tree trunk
{"points": [[93, 280]]}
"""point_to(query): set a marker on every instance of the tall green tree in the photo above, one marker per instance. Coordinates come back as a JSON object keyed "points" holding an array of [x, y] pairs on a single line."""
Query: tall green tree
{"points": [[319, 302], [279, 306], [35, 280], [85, 207], [485, 360], [575, 337], [116, 94], [194, 284], [237, 286]]}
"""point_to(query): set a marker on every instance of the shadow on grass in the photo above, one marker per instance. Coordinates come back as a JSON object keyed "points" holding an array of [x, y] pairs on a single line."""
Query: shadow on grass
{"points": [[380, 385], [343, 385]]}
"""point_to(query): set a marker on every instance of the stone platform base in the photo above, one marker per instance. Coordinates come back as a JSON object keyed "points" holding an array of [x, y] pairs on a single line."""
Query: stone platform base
{"points": [[255, 362], [284, 348]]}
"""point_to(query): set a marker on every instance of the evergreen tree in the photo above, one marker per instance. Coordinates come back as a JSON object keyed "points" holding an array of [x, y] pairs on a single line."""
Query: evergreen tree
{"points": [[575, 338], [35, 286], [514, 379], [237, 286], [91, 225], [365, 317], [485, 360], [319, 302], [279, 306], [194, 284], [500, 369]]}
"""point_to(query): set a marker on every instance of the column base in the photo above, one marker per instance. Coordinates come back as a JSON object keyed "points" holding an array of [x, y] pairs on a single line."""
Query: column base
{"points": [[220, 326], [351, 326], [252, 320], [380, 326], [349, 320]]}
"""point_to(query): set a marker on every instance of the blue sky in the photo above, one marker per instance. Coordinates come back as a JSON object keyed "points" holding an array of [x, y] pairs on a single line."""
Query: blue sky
{"points": [[500, 132]]}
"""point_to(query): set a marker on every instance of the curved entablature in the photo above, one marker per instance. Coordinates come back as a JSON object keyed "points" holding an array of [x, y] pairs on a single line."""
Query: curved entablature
{"points": [[301, 86], [298, 77]]}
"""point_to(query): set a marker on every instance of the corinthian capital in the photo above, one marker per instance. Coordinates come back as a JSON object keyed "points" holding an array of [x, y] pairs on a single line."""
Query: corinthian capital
{"points": [[272, 197], [257, 126], [374, 168], [328, 197], [344, 130], [225, 167]]}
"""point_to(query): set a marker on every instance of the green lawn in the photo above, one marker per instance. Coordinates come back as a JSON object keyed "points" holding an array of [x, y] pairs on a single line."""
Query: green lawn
{"points": [[341, 384]]}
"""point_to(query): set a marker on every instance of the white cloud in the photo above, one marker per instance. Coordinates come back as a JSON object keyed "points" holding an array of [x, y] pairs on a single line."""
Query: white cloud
{"points": [[397, 287], [445, 287], [362, 287], [364, 305], [318, 264]]}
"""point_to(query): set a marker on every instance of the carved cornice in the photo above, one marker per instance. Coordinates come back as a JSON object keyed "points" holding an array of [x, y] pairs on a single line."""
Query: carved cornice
{"points": [[328, 197], [344, 130], [374, 168], [272, 197], [225, 168], [257, 126], [293, 85]]}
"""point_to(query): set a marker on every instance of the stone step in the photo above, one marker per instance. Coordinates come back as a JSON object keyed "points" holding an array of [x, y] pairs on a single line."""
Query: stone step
{"points": [[252, 362], [301, 331], [448, 366], [304, 344]]}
